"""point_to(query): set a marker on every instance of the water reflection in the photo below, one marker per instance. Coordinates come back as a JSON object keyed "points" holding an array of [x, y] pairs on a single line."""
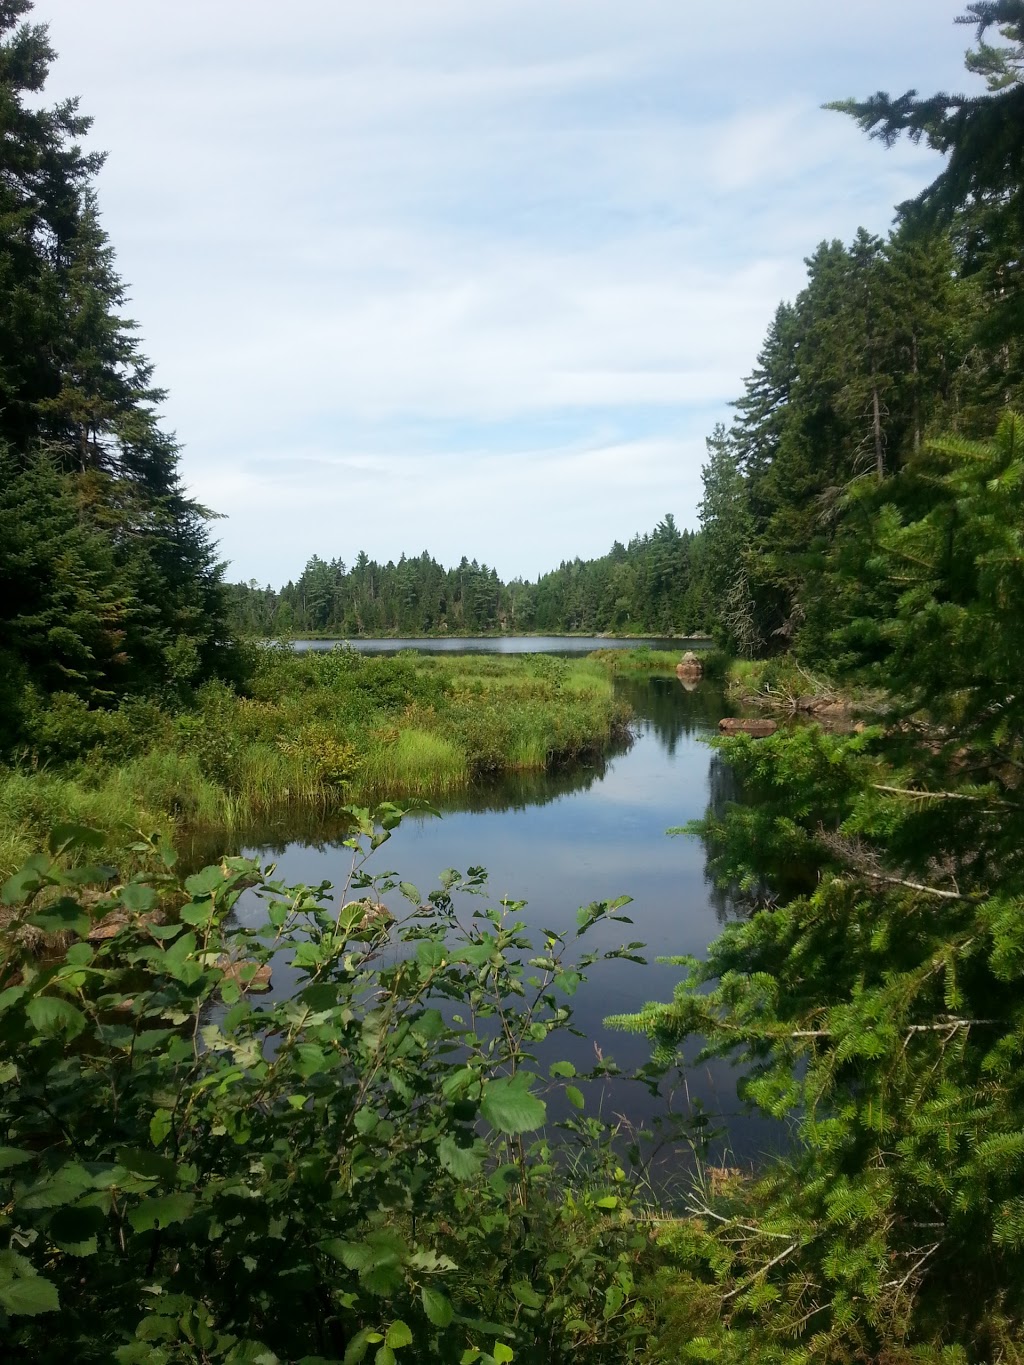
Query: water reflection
{"points": [[565, 839], [502, 644]]}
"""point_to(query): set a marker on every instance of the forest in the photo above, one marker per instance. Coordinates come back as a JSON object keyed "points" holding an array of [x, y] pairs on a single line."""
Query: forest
{"points": [[652, 585], [393, 1157]]}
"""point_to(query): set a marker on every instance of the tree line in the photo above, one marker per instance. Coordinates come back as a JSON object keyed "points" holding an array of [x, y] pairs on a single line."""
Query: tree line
{"points": [[653, 584]]}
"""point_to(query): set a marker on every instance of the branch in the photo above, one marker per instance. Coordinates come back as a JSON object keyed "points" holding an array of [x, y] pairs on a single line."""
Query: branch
{"points": [[757, 1273], [940, 1026]]}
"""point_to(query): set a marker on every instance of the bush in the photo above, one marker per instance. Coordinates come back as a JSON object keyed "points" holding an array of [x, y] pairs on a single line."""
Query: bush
{"points": [[354, 1166]]}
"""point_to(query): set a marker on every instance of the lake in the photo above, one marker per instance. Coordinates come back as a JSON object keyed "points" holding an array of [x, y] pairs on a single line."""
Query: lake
{"points": [[501, 644], [563, 839]]}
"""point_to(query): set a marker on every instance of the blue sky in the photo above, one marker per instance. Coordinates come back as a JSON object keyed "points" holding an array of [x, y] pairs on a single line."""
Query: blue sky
{"points": [[476, 278]]}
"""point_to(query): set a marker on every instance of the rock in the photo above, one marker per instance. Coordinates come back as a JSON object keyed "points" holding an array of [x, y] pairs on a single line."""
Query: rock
{"points": [[111, 925], [757, 729], [689, 669]]}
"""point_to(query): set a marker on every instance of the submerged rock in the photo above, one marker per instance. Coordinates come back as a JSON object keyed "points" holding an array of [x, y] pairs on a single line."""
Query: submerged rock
{"points": [[737, 725]]}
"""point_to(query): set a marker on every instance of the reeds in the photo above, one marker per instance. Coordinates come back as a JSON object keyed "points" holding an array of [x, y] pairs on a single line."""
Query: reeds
{"points": [[315, 732]]}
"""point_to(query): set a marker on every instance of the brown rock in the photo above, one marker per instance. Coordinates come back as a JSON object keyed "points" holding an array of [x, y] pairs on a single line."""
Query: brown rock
{"points": [[736, 725], [689, 668]]}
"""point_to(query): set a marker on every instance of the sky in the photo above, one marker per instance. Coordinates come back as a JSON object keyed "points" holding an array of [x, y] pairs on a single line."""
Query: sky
{"points": [[474, 276]]}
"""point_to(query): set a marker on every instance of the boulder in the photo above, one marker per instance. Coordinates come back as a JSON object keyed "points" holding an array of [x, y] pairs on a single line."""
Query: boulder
{"points": [[737, 725], [689, 669]]}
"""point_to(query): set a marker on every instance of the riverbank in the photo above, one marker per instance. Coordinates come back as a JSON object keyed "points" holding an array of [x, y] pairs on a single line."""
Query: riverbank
{"points": [[313, 730]]}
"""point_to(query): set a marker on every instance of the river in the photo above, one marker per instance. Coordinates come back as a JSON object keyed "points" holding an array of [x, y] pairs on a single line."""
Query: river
{"points": [[564, 839]]}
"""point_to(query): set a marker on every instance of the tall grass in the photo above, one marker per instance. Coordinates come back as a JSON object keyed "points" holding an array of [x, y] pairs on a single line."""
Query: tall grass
{"points": [[315, 731]]}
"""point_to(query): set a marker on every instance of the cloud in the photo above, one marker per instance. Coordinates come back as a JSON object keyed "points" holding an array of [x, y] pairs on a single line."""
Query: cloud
{"points": [[473, 277]]}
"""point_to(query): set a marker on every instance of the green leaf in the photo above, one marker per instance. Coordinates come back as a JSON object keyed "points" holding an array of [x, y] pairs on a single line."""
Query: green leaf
{"points": [[436, 1306], [562, 1069], [150, 1165], [509, 1107], [574, 1096], [13, 1156], [365, 1120], [205, 883], [359, 1345], [527, 1295], [64, 915], [410, 892], [385, 1356], [429, 1025], [430, 954], [64, 1185], [138, 898], [161, 1211], [63, 837], [159, 1126], [463, 1163], [29, 1297], [51, 1014], [399, 1334], [75, 1230], [502, 1353], [19, 887]]}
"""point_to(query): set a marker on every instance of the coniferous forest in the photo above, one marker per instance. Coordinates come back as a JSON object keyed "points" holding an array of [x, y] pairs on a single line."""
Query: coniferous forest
{"points": [[392, 1157], [652, 585]]}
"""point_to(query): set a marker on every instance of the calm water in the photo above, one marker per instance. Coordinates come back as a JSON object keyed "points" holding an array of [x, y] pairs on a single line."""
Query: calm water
{"points": [[562, 840], [501, 644]]}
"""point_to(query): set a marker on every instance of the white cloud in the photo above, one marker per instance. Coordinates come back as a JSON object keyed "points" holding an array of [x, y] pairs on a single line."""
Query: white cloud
{"points": [[476, 277]]}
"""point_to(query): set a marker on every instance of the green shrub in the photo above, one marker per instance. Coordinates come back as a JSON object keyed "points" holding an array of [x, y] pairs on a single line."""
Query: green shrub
{"points": [[356, 1166]]}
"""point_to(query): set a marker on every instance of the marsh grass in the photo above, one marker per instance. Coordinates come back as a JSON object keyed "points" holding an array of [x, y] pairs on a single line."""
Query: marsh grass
{"points": [[315, 731], [640, 660]]}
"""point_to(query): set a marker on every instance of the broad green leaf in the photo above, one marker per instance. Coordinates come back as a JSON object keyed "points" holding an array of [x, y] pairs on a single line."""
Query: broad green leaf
{"points": [[399, 1334], [365, 1120], [527, 1295], [502, 1353], [385, 1356], [205, 883], [52, 1014], [138, 898], [29, 1297], [359, 1345], [429, 1025], [159, 1126], [562, 1069], [74, 836], [19, 887], [161, 1211], [13, 1156], [64, 915], [430, 954], [148, 1164], [461, 1162], [64, 1185], [508, 1106], [436, 1306], [75, 1230], [410, 892], [574, 1096]]}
